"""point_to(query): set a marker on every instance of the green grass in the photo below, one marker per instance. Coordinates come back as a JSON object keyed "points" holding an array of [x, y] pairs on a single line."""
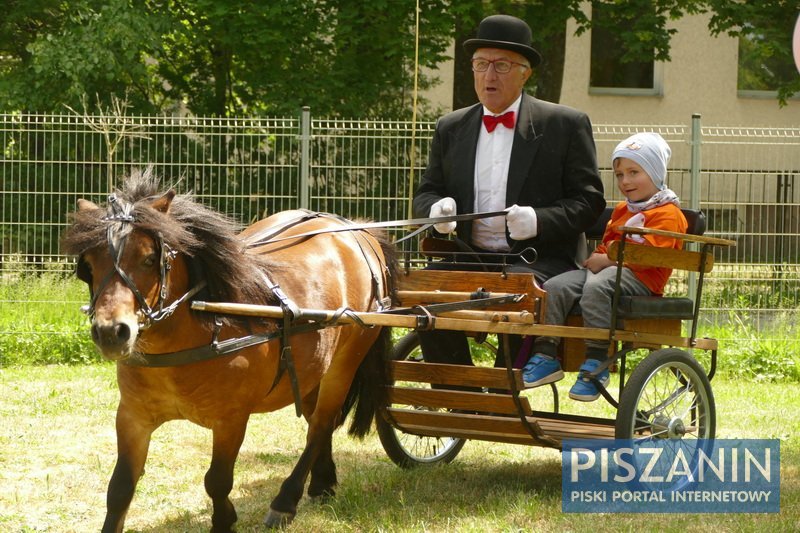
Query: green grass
{"points": [[40, 323], [57, 451], [748, 353]]}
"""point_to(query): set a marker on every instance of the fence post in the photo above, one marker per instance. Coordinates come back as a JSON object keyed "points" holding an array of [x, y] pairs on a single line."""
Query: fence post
{"points": [[304, 187], [694, 194]]}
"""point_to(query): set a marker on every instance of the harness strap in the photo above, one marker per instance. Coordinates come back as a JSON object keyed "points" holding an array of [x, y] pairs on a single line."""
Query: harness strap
{"points": [[164, 312], [213, 350], [290, 310], [266, 235], [286, 361]]}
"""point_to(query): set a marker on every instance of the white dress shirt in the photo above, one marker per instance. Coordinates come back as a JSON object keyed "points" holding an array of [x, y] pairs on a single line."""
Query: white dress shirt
{"points": [[492, 159]]}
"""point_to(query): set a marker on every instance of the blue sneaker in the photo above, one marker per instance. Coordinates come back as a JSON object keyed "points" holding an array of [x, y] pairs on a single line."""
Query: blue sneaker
{"points": [[584, 389], [541, 370]]}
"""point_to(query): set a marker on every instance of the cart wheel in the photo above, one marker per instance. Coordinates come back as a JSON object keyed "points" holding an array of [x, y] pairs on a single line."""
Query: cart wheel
{"points": [[405, 449], [668, 396]]}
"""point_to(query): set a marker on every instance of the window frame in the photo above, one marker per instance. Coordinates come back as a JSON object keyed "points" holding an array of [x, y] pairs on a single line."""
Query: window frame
{"points": [[657, 88]]}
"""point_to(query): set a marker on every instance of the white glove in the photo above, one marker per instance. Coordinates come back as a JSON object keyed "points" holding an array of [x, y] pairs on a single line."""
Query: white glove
{"points": [[443, 208], [521, 222], [636, 221]]}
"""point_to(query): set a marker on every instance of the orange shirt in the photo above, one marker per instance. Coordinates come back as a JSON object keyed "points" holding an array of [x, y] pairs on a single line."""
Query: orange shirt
{"points": [[667, 217]]}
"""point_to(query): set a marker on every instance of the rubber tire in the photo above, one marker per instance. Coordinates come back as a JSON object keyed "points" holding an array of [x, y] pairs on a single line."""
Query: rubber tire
{"points": [[407, 450], [653, 367]]}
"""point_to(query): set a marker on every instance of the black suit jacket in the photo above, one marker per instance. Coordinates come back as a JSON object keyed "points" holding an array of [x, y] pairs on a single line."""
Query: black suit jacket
{"points": [[553, 169]]}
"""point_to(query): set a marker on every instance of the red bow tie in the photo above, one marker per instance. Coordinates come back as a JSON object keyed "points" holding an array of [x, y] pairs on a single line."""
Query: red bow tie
{"points": [[491, 122]]}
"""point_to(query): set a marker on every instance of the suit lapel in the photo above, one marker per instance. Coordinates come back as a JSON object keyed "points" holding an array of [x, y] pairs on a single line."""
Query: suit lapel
{"points": [[527, 139], [466, 144]]}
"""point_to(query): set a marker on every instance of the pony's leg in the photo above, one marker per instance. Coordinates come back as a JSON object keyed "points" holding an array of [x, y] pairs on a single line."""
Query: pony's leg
{"points": [[284, 507], [133, 441], [323, 473], [228, 439], [333, 390], [323, 470], [318, 439]]}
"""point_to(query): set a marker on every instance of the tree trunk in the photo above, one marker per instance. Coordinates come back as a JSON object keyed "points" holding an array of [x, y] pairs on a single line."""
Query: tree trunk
{"points": [[550, 72], [463, 86], [221, 65]]}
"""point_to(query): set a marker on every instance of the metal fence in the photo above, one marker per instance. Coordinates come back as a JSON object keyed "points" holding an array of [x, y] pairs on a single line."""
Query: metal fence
{"points": [[745, 179]]}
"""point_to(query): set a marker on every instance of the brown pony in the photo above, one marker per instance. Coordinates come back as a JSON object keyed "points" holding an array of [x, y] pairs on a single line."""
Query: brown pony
{"points": [[147, 254]]}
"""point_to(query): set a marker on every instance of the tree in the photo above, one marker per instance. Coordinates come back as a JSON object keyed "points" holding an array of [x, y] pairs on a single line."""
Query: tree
{"points": [[54, 53], [765, 32], [220, 57], [343, 58]]}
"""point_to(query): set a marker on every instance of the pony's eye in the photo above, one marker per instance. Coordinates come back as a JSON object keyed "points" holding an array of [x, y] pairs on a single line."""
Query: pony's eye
{"points": [[150, 260]]}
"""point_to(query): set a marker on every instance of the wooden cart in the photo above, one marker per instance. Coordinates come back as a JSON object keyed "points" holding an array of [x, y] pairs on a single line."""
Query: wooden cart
{"points": [[434, 408]]}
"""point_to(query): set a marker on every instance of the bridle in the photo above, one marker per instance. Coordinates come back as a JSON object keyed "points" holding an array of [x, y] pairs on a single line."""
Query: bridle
{"points": [[120, 219]]}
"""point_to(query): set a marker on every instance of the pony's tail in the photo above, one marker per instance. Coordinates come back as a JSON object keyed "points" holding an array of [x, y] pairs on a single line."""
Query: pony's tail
{"points": [[368, 391]]}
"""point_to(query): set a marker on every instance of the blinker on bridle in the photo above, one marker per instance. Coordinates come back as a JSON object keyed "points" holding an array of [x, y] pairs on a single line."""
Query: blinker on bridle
{"points": [[120, 219]]}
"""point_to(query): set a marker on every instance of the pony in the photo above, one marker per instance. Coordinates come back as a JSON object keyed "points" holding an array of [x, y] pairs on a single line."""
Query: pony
{"points": [[148, 254]]}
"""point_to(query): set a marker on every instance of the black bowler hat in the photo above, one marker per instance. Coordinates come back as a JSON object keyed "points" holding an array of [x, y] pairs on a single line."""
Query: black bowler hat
{"points": [[505, 32]]}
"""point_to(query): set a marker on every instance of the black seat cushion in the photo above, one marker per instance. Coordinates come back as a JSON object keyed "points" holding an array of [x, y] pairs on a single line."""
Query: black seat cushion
{"points": [[655, 307], [650, 307]]}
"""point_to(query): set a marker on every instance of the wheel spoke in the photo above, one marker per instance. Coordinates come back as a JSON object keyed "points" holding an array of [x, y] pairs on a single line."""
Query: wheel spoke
{"points": [[667, 397]]}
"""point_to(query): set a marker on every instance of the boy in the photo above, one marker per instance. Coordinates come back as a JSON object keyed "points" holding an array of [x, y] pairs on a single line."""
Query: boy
{"points": [[640, 168]]}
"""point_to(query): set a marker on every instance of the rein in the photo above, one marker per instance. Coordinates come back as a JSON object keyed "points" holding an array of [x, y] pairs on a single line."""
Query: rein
{"points": [[424, 222]]}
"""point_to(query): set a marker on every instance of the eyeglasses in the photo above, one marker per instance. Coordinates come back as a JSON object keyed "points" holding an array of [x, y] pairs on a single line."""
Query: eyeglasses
{"points": [[501, 66]]}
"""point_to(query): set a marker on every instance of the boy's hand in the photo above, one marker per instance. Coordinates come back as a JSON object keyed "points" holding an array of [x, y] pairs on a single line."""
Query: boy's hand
{"points": [[636, 221], [597, 262]]}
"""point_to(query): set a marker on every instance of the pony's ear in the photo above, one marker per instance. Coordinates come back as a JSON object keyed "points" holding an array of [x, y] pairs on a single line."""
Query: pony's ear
{"points": [[162, 204], [86, 205]]}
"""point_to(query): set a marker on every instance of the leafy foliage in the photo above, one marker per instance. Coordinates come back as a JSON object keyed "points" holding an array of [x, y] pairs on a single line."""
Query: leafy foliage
{"points": [[342, 58], [91, 47], [34, 330], [765, 42], [219, 57]]}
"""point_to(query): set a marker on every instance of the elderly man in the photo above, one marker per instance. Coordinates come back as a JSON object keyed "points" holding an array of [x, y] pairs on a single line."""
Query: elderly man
{"points": [[510, 151]]}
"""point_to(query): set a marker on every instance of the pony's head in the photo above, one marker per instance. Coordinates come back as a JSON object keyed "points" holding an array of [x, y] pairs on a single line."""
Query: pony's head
{"points": [[148, 252]]}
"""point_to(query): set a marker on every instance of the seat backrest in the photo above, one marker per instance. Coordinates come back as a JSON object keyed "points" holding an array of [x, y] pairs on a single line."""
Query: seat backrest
{"points": [[695, 219]]}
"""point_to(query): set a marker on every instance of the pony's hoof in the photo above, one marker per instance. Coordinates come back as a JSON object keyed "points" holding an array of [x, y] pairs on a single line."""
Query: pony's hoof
{"points": [[278, 519]]}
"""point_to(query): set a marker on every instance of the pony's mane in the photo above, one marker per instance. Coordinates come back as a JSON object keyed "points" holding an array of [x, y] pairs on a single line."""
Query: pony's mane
{"points": [[207, 237]]}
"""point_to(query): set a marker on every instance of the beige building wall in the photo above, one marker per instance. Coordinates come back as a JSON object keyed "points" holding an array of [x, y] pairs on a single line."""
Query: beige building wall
{"points": [[700, 78], [440, 97]]}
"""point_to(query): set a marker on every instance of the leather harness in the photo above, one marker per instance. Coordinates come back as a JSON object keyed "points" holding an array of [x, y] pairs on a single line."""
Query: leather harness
{"points": [[120, 219]]}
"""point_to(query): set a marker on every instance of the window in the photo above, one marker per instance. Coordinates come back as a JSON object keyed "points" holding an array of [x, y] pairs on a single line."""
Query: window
{"points": [[763, 67], [609, 73]]}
